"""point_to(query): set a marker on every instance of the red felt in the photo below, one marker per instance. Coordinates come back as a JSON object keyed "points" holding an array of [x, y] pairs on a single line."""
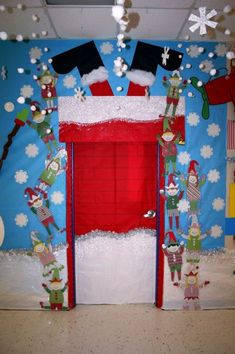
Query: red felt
{"points": [[136, 90], [114, 185]]}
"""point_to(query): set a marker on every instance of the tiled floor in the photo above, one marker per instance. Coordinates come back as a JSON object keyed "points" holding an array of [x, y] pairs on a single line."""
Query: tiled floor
{"points": [[111, 329]]}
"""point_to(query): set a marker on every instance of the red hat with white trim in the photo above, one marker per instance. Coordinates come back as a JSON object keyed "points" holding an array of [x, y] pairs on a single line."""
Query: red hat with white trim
{"points": [[171, 182], [192, 167], [33, 196]]}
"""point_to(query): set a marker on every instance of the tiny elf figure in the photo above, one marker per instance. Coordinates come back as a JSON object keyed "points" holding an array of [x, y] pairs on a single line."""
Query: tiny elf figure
{"points": [[52, 169], [194, 239], [173, 251], [168, 141], [41, 123], [47, 81], [42, 211], [45, 254], [172, 198], [191, 290], [193, 184], [174, 86], [56, 292]]}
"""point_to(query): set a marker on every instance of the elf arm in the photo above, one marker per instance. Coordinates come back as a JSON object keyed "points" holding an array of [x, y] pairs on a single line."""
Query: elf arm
{"points": [[33, 210], [181, 195], [183, 234], [165, 82], [160, 140], [205, 234], [202, 181], [32, 125], [46, 288], [162, 194]]}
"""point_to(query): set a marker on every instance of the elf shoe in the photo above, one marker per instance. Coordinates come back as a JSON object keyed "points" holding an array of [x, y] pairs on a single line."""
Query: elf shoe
{"points": [[201, 89]]}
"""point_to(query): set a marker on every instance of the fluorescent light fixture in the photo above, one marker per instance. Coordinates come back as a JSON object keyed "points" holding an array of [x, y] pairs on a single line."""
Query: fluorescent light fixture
{"points": [[80, 2]]}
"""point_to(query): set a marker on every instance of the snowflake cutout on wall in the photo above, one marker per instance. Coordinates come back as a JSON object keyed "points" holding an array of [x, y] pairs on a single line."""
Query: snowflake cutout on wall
{"points": [[183, 206], [57, 197], [193, 119], [26, 91], [106, 48], [31, 150], [216, 231], [202, 20], [193, 51], [213, 176], [213, 130], [184, 158], [21, 220], [221, 49], [206, 66], [218, 204], [69, 81], [206, 151], [21, 176], [35, 53]]}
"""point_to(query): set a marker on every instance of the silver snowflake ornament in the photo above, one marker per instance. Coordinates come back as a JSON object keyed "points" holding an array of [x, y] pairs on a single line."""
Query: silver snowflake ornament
{"points": [[203, 20]]}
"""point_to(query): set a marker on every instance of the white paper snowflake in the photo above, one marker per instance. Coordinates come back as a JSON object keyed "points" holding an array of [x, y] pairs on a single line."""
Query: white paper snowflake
{"points": [[206, 151], [218, 204], [184, 158], [106, 48], [202, 20], [57, 197], [21, 220], [216, 231], [26, 91], [193, 51], [69, 81], [31, 150], [206, 66], [183, 206], [213, 176], [21, 176], [221, 49], [213, 130], [193, 119], [35, 53]]}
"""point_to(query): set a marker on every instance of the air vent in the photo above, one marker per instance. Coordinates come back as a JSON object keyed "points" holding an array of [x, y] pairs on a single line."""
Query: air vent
{"points": [[80, 2]]}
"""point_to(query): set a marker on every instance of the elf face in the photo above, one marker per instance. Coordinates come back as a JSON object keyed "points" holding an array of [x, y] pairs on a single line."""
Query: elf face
{"points": [[168, 136], [39, 118], [192, 280], [46, 79], [56, 285], [192, 179], [173, 248], [39, 248], [194, 231], [172, 191], [37, 203], [54, 166]]}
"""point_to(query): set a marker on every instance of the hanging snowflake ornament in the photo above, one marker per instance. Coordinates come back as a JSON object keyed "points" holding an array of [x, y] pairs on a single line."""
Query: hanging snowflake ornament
{"points": [[57, 197], [213, 130], [21, 220], [69, 81], [184, 158], [80, 94], [218, 204], [193, 119], [203, 20], [216, 231], [21, 177], [106, 48], [213, 176], [183, 206], [31, 150], [26, 91]]}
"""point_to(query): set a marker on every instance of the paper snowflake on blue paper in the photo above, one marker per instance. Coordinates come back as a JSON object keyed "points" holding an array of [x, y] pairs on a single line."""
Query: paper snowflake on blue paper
{"points": [[202, 20], [21, 220]]}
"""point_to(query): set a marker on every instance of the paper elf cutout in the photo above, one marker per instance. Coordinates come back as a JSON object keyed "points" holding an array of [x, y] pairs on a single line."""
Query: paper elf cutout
{"points": [[20, 120], [193, 184], [218, 91], [194, 238], [47, 81], [40, 207], [53, 168], [56, 291], [168, 141], [42, 124], [172, 198], [45, 254], [191, 290], [173, 251]]}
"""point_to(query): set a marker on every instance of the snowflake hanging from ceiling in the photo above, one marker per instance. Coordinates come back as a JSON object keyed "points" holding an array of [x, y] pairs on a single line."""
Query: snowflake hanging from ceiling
{"points": [[202, 20]]}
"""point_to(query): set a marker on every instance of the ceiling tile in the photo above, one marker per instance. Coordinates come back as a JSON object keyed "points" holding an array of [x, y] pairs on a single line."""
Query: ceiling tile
{"points": [[20, 22], [214, 4], [162, 3], [83, 22], [27, 3]]}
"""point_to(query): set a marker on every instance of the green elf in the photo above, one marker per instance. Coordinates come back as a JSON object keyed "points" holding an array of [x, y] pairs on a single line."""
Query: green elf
{"points": [[168, 141]]}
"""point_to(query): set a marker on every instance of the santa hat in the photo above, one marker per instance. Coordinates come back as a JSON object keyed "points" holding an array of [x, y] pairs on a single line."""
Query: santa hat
{"points": [[192, 167], [146, 59], [56, 276], [88, 61], [194, 222], [171, 182], [32, 195], [172, 238]]}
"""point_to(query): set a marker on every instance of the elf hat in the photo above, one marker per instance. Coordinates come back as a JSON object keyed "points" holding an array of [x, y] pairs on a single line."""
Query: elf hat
{"points": [[56, 276], [35, 107], [192, 167], [35, 239], [191, 274], [175, 75], [172, 238], [171, 182], [194, 222], [32, 195]]}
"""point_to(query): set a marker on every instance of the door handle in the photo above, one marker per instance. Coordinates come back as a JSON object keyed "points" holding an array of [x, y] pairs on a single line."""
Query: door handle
{"points": [[150, 214]]}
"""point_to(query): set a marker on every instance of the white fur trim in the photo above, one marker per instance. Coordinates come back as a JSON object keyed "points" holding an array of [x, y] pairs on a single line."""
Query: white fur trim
{"points": [[96, 75], [141, 77]]}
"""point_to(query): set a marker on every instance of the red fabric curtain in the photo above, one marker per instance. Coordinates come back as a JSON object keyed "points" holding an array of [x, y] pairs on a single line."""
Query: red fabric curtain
{"points": [[114, 185]]}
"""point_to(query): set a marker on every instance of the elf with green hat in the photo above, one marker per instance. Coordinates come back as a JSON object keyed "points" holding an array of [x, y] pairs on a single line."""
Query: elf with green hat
{"points": [[56, 291]]}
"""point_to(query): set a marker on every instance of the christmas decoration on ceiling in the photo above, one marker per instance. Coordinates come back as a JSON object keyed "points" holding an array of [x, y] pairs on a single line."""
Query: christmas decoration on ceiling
{"points": [[203, 20]]}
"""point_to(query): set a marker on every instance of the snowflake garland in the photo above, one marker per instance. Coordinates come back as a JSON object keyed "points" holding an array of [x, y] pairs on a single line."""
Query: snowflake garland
{"points": [[106, 48], [218, 204], [57, 197], [213, 176], [216, 231], [206, 151], [213, 130], [193, 119], [184, 158], [21, 177], [183, 206], [203, 20], [31, 150], [21, 220], [27, 91], [69, 81]]}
